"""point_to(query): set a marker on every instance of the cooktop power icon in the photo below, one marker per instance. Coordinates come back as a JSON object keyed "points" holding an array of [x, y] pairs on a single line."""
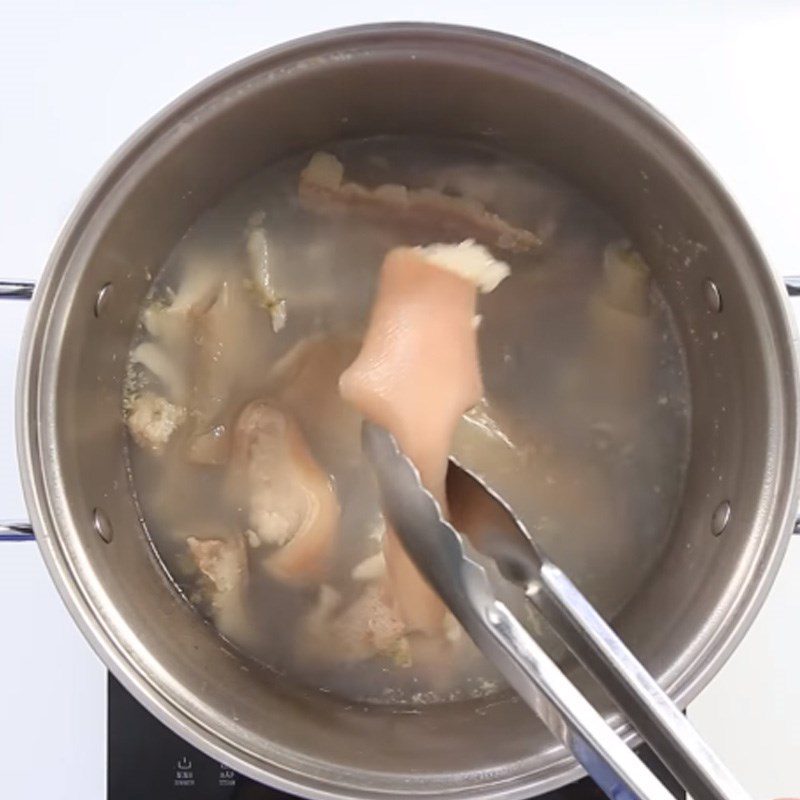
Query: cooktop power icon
{"points": [[184, 774]]}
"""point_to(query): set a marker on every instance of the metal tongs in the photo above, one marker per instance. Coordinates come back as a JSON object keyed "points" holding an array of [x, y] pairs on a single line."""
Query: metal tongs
{"points": [[451, 564]]}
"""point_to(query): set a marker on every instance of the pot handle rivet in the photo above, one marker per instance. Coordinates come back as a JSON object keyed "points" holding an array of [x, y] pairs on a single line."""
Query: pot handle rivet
{"points": [[720, 518], [102, 525], [712, 295], [103, 296]]}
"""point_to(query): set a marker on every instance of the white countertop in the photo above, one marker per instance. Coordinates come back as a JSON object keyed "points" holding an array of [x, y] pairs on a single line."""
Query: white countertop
{"points": [[76, 78]]}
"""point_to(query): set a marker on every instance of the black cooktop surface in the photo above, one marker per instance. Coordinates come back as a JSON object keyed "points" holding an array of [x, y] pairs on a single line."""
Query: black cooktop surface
{"points": [[146, 761]]}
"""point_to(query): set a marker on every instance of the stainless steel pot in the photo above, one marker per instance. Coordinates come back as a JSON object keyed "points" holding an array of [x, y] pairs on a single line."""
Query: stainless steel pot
{"points": [[740, 496]]}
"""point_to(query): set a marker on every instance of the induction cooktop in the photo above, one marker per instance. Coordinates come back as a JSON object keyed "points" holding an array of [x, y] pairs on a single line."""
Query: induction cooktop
{"points": [[146, 761]]}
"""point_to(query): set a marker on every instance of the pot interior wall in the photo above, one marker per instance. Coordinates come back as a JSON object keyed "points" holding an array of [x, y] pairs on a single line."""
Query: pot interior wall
{"points": [[533, 103]]}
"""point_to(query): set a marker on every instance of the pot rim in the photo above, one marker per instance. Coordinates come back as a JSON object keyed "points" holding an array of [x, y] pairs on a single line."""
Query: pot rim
{"points": [[43, 507]]}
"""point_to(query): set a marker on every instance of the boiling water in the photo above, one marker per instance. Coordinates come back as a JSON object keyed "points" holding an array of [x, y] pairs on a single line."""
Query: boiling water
{"points": [[584, 428]]}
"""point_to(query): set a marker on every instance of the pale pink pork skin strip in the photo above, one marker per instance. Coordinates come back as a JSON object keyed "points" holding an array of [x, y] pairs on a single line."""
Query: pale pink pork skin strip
{"points": [[416, 374]]}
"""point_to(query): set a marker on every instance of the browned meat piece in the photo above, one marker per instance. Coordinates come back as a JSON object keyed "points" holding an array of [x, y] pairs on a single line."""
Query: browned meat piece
{"points": [[223, 565], [322, 188], [152, 420], [222, 561], [290, 501], [258, 258], [370, 626], [306, 380], [621, 328]]}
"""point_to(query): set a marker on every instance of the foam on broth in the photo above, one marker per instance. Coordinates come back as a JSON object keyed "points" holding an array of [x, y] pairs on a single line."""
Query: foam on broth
{"points": [[584, 428]]}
